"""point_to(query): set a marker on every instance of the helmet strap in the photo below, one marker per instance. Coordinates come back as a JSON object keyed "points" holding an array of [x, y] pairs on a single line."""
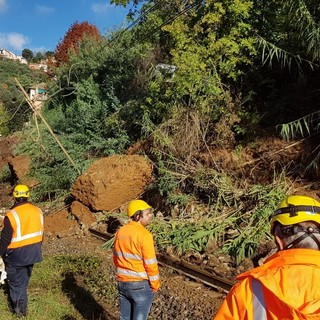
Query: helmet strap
{"points": [[308, 233], [293, 210]]}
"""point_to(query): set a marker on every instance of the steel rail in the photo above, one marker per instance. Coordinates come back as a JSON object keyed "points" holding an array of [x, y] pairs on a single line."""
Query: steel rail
{"points": [[101, 235], [193, 272], [218, 283]]}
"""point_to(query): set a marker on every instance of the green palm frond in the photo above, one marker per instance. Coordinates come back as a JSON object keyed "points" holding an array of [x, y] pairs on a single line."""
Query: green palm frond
{"points": [[301, 127], [314, 164], [271, 53], [309, 31]]}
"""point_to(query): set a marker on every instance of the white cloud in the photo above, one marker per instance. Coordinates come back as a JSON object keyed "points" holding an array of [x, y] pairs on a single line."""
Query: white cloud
{"points": [[13, 40], [3, 5], [100, 8], [44, 9]]}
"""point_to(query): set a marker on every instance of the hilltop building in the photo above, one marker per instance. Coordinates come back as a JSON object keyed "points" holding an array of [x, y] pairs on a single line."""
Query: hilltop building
{"points": [[6, 54], [39, 66]]}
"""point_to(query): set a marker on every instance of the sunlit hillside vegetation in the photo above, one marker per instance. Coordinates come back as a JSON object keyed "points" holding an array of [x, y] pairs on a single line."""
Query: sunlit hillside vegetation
{"points": [[191, 84]]}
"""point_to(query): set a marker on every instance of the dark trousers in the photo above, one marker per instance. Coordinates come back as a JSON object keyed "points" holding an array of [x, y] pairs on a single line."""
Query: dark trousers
{"points": [[18, 281]]}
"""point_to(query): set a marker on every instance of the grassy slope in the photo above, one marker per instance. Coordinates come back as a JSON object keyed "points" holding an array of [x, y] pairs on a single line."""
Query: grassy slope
{"points": [[53, 291]]}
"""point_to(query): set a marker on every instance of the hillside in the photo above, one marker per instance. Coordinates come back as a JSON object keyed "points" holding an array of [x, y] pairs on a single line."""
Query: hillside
{"points": [[67, 237], [213, 96]]}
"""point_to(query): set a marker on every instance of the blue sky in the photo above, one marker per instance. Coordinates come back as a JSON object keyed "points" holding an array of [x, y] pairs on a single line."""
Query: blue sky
{"points": [[40, 24]]}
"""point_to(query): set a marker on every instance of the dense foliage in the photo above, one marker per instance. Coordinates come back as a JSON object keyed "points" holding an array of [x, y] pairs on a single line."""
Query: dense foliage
{"points": [[30, 56], [14, 110], [192, 78], [72, 40]]}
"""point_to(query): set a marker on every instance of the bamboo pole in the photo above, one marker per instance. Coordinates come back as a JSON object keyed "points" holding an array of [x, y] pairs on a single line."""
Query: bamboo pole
{"points": [[31, 105]]}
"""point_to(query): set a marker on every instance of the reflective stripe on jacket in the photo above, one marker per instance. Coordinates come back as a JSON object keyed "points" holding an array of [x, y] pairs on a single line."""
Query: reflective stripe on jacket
{"points": [[27, 224], [134, 255], [287, 287]]}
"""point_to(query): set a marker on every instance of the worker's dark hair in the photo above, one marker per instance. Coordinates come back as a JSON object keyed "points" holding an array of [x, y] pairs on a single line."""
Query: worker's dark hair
{"points": [[136, 216], [21, 200]]}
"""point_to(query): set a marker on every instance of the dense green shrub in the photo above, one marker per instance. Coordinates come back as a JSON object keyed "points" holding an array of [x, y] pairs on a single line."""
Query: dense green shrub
{"points": [[16, 110]]}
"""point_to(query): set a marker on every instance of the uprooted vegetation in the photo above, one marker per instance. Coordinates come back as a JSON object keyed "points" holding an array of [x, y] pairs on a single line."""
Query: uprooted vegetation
{"points": [[207, 199]]}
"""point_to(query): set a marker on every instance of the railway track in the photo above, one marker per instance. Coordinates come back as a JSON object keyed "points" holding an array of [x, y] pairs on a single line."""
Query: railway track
{"points": [[193, 272]]}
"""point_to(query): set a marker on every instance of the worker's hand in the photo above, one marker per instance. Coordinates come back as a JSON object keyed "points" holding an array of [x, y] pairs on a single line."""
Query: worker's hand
{"points": [[3, 277], [3, 271], [2, 266]]}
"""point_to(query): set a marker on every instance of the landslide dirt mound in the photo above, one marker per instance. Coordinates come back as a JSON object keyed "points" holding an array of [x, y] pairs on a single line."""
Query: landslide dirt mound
{"points": [[6, 149], [6, 146]]}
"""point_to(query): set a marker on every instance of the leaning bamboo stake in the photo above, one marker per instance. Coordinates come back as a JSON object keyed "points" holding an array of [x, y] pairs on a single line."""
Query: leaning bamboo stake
{"points": [[31, 105]]}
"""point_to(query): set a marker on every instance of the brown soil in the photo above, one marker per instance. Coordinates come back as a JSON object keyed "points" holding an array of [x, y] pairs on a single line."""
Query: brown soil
{"points": [[112, 181]]}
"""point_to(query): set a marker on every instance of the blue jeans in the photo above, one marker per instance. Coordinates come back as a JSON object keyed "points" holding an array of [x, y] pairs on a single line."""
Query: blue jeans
{"points": [[135, 300]]}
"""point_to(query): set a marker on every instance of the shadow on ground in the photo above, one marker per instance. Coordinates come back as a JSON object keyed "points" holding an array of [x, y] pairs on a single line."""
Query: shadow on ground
{"points": [[82, 299]]}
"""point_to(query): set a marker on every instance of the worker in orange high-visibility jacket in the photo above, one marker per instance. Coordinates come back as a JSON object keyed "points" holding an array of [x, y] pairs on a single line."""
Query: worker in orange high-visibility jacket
{"points": [[20, 247], [135, 259], [287, 285]]}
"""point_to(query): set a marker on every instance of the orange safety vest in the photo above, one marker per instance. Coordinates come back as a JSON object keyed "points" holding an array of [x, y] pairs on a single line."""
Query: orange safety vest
{"points": [[134, 255], [286, 287], [27, 224]]}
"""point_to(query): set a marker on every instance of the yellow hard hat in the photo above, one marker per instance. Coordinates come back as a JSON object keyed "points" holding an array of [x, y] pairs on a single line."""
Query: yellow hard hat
{"points": [[21, 191], [296, 209], [136, 205]]}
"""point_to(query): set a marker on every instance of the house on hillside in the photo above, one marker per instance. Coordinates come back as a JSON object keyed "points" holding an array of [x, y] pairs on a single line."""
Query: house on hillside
{"points": [[38, 94], [22, 60], [39, 66], [6, 54]]}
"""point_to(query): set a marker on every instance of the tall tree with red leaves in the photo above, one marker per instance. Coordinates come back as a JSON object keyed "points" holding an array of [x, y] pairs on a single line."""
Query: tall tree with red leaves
{"points": [[71, 40]]}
